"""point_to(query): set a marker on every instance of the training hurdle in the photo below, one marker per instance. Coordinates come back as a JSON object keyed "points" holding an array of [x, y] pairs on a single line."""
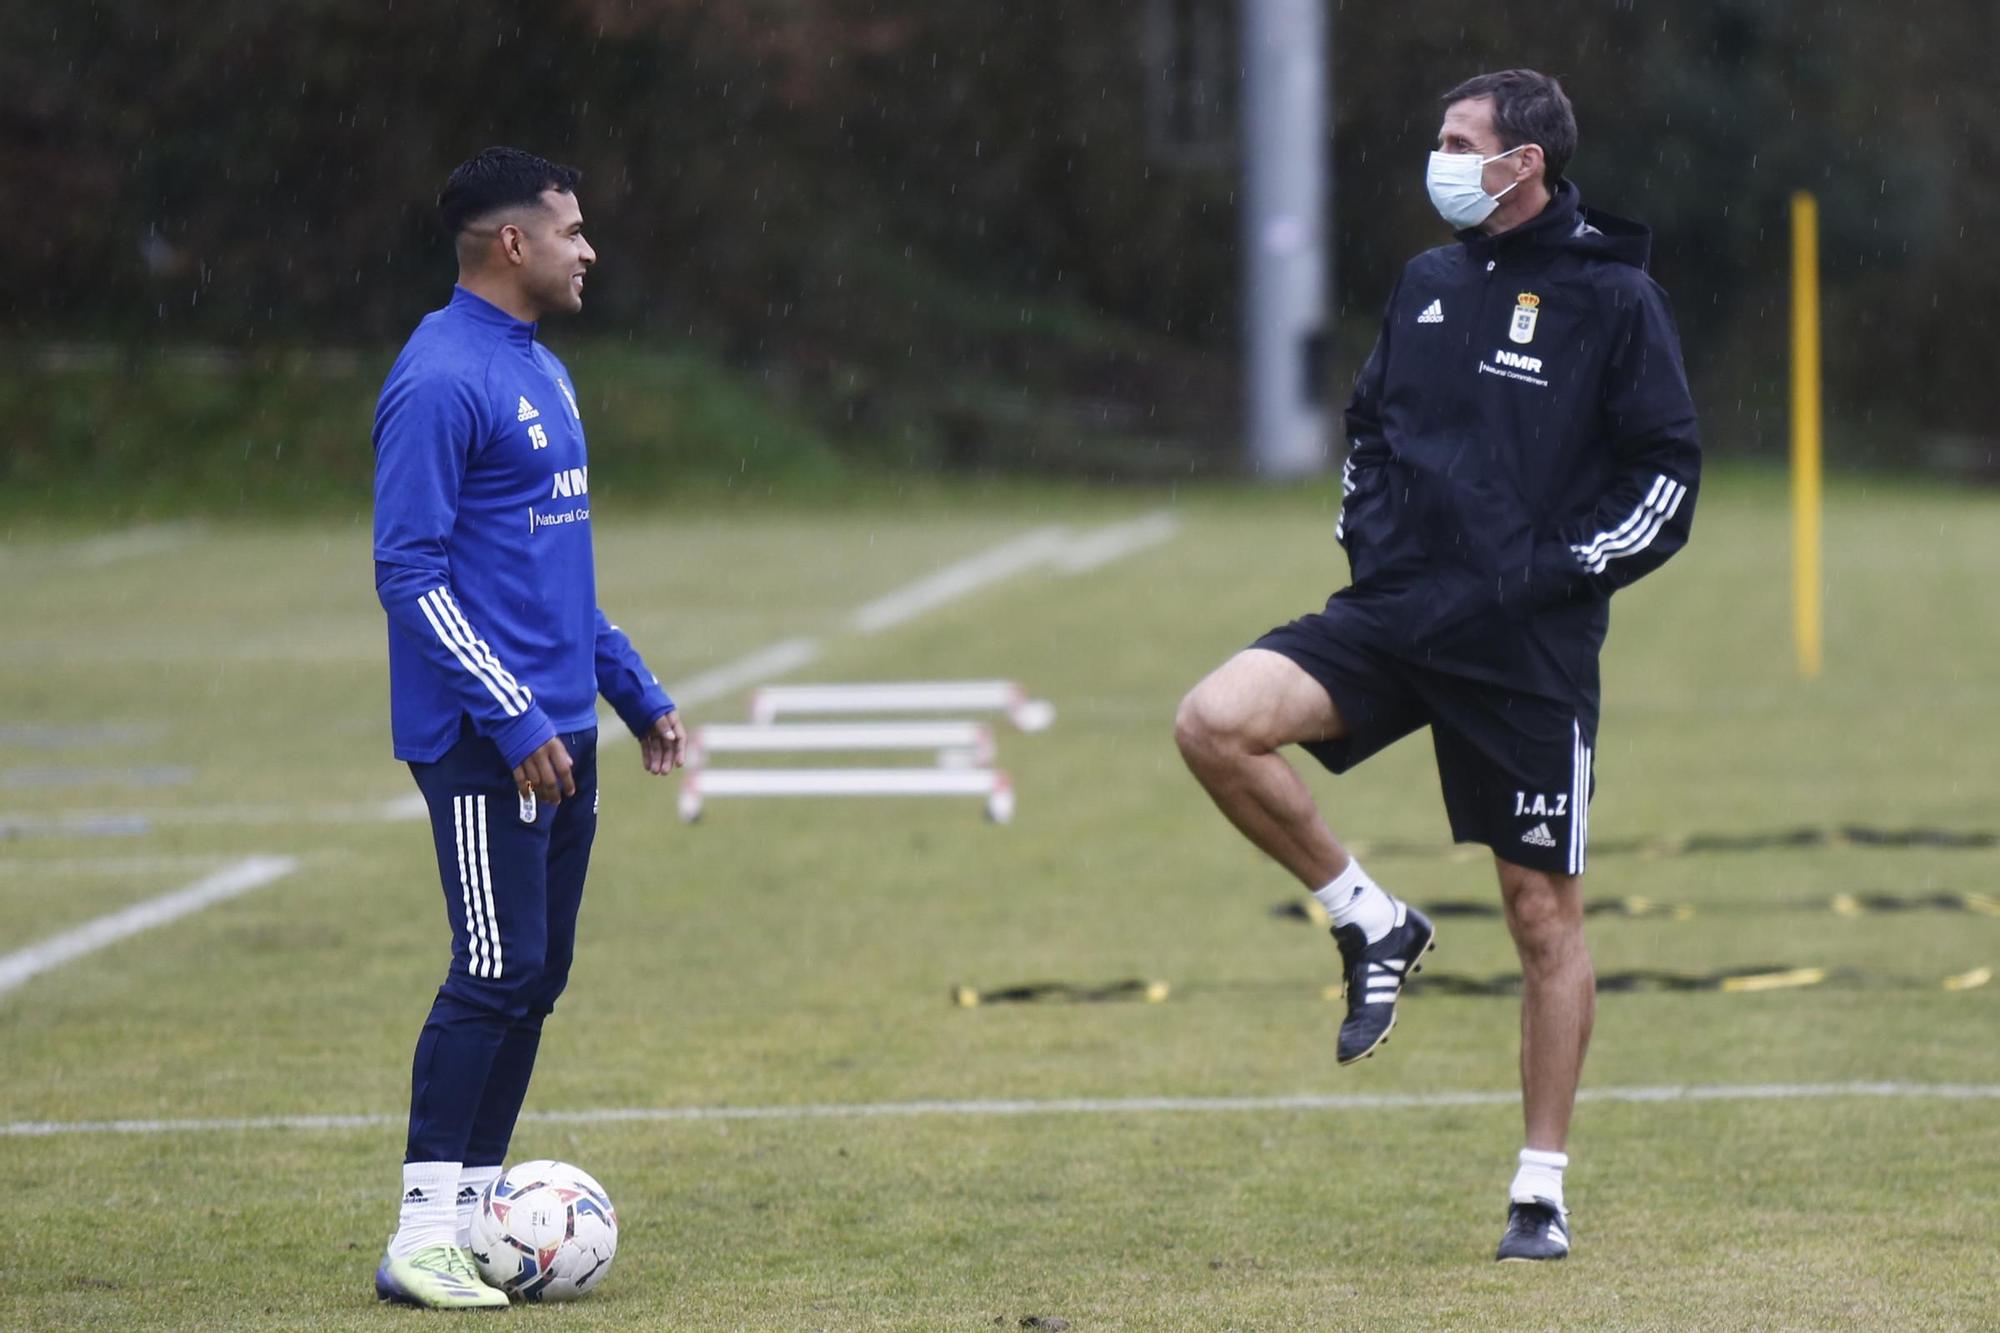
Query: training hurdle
{"points": [[702, 783], [963, 750], [915, 696], [958, 744]]}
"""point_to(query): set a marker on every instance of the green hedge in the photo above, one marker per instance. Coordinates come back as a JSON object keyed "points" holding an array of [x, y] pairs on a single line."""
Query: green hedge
{"points": [[124, 434]]}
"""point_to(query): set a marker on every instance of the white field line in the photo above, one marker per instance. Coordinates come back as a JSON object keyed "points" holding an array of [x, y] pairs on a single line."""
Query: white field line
{"points": [[22, 869], [765, 664], [1097, 549], [1018, 555], [55, 736], [1050, 546], [1389, 1101], [1030, 550], [252, 873], [139, 823]]}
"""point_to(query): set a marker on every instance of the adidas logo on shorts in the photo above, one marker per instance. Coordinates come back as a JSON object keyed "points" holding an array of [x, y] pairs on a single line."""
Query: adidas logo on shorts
{"points": [[1539, 836], [526, 411]]}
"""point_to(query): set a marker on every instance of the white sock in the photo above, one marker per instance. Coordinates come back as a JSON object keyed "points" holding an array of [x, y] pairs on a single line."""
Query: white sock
{"points": [[1353, 899], [472, 1182], [1540, 1176], [429, 1215]]}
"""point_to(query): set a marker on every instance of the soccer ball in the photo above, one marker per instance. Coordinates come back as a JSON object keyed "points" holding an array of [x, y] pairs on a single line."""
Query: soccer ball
{"points": [[544, 1231]]}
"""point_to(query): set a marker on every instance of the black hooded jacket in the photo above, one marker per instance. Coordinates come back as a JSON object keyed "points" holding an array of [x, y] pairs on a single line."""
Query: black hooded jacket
{"points": [[1521, 444]]}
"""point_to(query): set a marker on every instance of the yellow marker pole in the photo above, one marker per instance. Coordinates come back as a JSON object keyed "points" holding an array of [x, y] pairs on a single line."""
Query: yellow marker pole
{"points": [[1806, 575]]}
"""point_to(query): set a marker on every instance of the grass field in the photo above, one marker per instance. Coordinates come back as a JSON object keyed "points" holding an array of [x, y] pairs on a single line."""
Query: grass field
{"points": [[173, 702]]}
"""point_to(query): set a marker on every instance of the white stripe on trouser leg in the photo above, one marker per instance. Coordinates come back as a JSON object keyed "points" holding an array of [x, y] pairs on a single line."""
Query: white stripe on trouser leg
{"points": [[1575, 792], [1583, 808], [475, 947], [486, 880]]}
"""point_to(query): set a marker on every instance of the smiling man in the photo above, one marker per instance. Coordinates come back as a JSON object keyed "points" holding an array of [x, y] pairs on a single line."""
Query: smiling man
{"points": [[1521, 445], [497, 653]]}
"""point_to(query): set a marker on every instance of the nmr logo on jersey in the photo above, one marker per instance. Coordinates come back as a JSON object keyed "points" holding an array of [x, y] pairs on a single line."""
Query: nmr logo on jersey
{"points": [[572, 483]]}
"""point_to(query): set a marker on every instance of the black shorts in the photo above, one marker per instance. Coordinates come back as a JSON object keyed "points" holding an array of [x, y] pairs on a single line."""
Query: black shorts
{"points": [[1515, 768]]}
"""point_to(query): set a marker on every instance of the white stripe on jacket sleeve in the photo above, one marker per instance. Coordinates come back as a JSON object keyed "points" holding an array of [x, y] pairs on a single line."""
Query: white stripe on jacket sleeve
{"points": [[484, 653], [473, 655], [1638, 530]]}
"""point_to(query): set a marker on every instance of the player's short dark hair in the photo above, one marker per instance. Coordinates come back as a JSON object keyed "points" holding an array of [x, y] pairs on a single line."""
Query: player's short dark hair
{"points": [[499, 178], [1528, 107]]}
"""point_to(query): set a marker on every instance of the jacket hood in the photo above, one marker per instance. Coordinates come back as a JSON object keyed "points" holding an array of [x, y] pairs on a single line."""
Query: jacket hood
{"points": [[1567, 225]]}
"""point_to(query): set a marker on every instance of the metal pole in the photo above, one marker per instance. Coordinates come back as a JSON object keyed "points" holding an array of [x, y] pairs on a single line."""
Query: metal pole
{"points": [[1284, 207]]}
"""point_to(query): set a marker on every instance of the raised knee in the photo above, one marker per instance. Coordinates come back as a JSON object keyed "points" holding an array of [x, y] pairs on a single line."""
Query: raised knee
{"points": [[1200, 727]]}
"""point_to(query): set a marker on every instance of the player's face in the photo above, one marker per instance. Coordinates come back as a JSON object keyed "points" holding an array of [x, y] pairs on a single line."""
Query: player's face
{"points": [[554, 255], [1468, 128]]}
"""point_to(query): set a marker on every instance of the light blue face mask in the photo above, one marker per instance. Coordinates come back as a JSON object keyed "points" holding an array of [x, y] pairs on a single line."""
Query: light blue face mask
{"points": [[1455, 189]]}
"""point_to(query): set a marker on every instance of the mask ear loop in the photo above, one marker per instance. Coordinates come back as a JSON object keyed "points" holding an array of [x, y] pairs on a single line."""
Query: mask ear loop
{"points": [[1517, 148]]}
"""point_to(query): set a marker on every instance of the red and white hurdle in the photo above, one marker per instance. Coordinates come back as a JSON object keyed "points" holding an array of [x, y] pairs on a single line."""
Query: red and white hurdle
{"points": [[914, 696], [958, 744], [964, 750]]}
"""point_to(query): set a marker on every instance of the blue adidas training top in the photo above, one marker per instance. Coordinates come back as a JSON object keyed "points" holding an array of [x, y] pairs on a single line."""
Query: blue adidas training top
{"points": [[482, 545]]}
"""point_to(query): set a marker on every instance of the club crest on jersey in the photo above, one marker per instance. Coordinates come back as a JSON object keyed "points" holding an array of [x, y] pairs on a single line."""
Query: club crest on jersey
{"points": [[1527, 306]]}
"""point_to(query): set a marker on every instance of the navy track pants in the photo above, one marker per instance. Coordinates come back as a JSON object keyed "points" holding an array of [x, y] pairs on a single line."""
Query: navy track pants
{"points": [[512, 872]]}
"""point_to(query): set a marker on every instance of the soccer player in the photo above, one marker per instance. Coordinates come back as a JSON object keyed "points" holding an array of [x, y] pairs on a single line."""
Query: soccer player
{"points": [[1521, 445], [497, 653]]}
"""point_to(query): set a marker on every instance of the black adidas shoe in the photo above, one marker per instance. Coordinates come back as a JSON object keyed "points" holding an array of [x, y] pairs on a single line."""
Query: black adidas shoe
{"points": [[1536, 1232], [1372, 977]]}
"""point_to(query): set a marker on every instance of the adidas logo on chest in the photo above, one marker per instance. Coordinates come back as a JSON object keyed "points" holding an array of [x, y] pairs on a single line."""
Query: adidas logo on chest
{"points": [[526, 411], [1433, 313]]}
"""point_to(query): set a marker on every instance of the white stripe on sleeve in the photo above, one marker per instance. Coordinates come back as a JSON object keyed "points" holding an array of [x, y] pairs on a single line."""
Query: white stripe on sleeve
{"points": [[1589, 549], [480, 649], [1638, 530], [472, 654]]}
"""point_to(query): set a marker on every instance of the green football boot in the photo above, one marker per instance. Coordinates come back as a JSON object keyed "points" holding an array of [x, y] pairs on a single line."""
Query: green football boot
{"points": [[437, 1277]]}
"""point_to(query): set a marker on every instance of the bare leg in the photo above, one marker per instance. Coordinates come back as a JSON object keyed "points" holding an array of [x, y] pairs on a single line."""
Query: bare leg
{"points": [[1558, 995], [1229, 729]]}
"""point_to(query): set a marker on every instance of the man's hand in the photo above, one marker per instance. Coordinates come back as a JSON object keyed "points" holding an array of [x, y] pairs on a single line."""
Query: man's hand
{"points": [[545, 773], [664, 747]]}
